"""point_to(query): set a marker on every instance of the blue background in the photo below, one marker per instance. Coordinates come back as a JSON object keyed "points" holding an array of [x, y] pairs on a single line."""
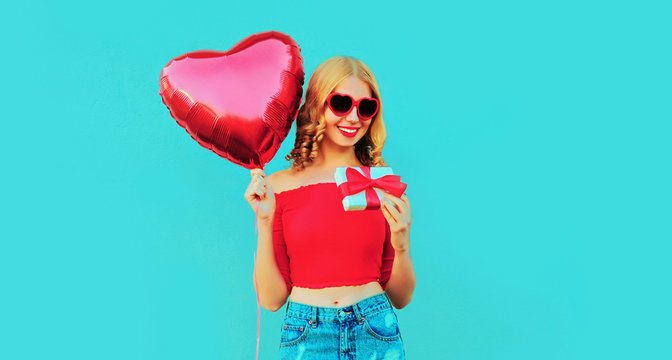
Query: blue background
{"points": [[534, 138]]}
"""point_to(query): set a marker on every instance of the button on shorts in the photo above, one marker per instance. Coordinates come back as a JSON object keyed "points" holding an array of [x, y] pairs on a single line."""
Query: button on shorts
{"points": [[367, 329]]}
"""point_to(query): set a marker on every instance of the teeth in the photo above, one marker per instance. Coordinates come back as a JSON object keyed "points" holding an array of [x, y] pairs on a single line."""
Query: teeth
{"points": [[348, 131]]}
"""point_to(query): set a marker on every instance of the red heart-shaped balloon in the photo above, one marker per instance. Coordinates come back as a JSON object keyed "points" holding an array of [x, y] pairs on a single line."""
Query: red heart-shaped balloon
{"points": [[240, 103]]}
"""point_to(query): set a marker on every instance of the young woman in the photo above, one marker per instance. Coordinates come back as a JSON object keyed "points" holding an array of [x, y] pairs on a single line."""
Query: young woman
{"points": [[343, 270]]}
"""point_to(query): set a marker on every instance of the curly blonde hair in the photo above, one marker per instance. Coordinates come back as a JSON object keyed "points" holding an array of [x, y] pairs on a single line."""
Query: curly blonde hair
{"points": [[311, 124]]}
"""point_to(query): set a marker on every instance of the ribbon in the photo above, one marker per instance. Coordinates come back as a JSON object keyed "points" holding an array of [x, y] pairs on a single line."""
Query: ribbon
{"points": [[357, 182]]}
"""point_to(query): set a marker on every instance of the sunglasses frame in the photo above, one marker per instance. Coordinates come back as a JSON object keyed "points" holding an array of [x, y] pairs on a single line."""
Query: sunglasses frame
{"points": [[353, 104]]}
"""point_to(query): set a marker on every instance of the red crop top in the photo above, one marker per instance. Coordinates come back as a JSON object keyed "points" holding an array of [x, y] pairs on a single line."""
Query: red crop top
{"points": [[318, 244]]}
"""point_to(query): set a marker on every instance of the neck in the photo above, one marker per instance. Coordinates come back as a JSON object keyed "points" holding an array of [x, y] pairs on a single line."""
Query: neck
{"points": [[331, 155]]}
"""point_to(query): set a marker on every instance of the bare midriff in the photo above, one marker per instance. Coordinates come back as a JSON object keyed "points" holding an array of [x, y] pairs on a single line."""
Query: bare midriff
{"points": [[335, 297]]}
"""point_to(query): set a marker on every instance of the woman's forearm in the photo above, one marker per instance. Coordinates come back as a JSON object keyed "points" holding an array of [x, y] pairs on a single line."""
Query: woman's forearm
{"points": [[269, 285], [401, 284]]}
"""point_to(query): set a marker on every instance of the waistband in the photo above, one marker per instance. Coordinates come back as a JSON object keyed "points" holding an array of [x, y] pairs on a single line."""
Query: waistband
{"points": [[356, 311]]}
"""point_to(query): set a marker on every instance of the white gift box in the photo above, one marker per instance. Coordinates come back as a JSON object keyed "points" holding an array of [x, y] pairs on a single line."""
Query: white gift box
{"points": [[358, 201]]}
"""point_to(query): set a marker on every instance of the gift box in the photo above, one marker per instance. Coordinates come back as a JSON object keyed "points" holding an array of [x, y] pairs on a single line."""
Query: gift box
{"points": [[362, 187]]}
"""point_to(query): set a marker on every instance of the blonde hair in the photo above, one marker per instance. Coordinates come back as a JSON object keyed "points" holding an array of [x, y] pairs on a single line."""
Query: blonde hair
{"points": [[311, 124]]}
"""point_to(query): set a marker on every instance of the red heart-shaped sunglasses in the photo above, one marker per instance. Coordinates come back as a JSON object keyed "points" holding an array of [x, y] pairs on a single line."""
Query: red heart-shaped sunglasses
{"points": [[341, 104]]}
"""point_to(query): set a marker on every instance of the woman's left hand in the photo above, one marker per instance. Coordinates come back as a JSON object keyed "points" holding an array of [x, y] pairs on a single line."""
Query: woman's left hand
{"points": [[397, 211]]}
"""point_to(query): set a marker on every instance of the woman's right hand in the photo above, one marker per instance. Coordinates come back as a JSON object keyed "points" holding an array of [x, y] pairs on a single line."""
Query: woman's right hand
{"points": [[260, 189]]}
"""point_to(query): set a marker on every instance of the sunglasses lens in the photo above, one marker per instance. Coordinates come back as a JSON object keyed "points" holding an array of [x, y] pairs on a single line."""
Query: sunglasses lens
{"points": [[340, 104], [367, 108]]}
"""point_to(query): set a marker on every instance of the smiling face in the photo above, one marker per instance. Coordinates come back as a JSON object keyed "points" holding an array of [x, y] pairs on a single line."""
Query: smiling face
{"points": [[357, 89]]}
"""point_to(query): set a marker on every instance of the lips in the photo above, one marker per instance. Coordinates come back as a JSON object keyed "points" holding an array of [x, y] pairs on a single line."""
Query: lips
{"points": [[349, 128]]}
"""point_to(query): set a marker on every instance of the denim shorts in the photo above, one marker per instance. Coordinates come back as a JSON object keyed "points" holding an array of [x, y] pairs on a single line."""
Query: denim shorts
{"points": [[367, 330]]}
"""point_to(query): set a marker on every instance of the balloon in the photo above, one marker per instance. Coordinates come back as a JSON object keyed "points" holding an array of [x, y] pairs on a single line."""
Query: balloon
{"points": [[240, 103]]}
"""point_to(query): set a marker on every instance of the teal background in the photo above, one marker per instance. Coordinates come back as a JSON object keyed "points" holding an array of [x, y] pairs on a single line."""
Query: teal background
{"points": [[534, 138]]}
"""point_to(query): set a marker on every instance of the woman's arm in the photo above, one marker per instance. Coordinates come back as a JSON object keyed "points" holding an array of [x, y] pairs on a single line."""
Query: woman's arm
{"points": [[401, 285], [269, 285]]}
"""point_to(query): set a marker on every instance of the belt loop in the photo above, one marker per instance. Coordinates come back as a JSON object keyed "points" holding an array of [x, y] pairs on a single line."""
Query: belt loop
{"points": [[360, 318], [314, 319]]}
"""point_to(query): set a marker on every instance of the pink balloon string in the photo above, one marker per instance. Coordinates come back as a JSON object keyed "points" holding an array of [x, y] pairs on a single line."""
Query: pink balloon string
{"points": [[255, 283]]}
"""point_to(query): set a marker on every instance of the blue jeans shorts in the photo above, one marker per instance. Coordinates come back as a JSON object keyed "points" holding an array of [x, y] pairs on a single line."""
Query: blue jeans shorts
{"points": [[367, 329]]}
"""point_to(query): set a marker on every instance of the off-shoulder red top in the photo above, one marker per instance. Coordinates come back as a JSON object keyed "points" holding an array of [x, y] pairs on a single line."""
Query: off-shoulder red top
{"points": [[318, 244]]}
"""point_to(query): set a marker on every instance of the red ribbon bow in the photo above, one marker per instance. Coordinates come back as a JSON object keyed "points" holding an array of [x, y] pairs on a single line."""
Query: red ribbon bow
{"points": [[357, 182]]}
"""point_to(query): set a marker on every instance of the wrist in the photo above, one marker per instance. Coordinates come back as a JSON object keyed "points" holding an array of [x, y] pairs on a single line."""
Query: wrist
{"points": [[402, 252], [267, 221]]}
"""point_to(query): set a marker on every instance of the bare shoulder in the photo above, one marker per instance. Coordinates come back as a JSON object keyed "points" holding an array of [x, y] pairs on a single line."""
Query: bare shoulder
{"points": [[291, 178], [282, 180]]}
